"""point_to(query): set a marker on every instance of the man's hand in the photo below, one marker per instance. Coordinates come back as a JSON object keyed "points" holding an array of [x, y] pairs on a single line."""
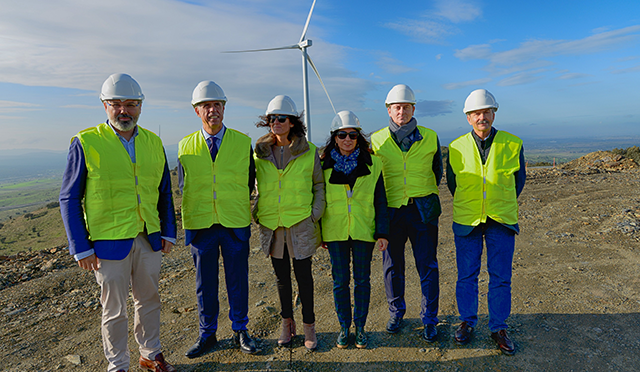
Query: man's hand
{"points": [[90, 263], [166, 246], [382, 244]]}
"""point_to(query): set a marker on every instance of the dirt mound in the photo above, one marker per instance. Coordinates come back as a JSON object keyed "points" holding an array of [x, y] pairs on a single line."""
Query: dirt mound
{"points": [[605, 160]]}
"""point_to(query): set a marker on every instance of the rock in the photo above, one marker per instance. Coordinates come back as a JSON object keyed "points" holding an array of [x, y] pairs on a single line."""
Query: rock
{"points": [[260, 303], [74, 359], [47, 266], [15, 312]]}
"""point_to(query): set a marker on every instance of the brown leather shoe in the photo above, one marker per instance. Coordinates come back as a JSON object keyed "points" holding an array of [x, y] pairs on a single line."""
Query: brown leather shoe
{"points": [[156, 365], [463, 333], [504, 342]]}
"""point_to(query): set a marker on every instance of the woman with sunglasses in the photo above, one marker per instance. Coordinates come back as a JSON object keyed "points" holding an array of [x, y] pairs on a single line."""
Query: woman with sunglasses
{"points": [[355, 220], [289, 205]]}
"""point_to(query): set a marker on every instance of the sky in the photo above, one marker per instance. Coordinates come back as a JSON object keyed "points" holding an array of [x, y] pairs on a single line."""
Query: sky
{"points": [[558, 69]]}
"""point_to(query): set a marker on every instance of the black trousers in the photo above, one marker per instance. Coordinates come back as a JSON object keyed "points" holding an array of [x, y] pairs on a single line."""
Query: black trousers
{"points": [[302, 271]]}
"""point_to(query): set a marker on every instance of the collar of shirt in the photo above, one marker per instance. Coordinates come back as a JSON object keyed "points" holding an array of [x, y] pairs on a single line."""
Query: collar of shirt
{"points": [[217, 137], [128, 145]]}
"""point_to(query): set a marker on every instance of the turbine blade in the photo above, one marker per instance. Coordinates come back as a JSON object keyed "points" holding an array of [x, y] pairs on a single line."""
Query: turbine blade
{"points": [[306, 25], [313, 66], [295, 46]]}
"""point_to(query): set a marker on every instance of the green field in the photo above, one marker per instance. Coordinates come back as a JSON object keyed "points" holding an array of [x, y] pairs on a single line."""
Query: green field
{"points": [[24, 197]]}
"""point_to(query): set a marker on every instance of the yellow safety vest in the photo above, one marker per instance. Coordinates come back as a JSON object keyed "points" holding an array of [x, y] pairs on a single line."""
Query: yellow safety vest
{"points": [[286, 195], [215, 192], [406, 174], [351, 215], [121, 197], [487, 190]]}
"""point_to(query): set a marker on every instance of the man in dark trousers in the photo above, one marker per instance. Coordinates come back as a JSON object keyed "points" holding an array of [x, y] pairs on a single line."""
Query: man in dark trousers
{"points": [[216, 173], [485, 174], [412, 169]]}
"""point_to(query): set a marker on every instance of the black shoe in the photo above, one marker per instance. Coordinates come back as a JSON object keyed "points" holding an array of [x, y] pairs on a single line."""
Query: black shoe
{"points": [[247, 345], [463, 333], [504, 342], [361, 338], [394, 324], [201, 346], [430, 333], [343, 338]]}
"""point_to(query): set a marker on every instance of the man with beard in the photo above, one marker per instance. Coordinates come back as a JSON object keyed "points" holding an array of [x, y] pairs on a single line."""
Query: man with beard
{"points": [[412, 169], [485, 174], [120, 171], [216, 173]]}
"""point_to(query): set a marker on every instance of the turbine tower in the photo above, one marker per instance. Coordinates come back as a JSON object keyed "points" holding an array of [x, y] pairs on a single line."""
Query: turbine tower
{"points": [[303, 44]]}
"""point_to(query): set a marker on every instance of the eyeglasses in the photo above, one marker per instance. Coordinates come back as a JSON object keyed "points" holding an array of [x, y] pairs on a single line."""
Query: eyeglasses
{"points": [[129, 106], [343, 135], [280, 118]]}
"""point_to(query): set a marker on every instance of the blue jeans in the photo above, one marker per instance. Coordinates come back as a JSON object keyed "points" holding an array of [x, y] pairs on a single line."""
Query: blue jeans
{"points": [[500, 242], [406, 223], [341, 253], [206, 248]]}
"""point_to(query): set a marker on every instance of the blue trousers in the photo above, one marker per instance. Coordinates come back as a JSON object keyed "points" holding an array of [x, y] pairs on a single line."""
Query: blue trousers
{"points": [[406, 223], [206, 248], [500, 243], [341, 254]]}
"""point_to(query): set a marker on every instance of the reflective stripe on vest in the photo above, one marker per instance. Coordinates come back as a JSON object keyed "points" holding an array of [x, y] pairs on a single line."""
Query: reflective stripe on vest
{"points": [[406, 174], [215, 192], [121, 196], [286, 195], [351, 213], [487, 190]]}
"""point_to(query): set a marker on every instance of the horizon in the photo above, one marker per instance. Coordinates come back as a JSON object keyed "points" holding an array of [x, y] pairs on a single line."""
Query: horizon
{"points": [[563, 74]]}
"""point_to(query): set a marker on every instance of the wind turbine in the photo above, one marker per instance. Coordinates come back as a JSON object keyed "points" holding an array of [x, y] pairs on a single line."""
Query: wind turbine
{"points": [[303, 44]]}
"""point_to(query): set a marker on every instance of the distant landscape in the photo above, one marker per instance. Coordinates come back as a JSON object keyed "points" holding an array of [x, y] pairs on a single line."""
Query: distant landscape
{"points": [[30, 179]]}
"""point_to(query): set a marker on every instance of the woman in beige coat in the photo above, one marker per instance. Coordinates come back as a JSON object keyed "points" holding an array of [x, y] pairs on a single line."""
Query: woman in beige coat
{"points": [[289, 205]]}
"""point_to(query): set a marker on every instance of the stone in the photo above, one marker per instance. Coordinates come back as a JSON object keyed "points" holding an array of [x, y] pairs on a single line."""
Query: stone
{"points": [[74, 359]]}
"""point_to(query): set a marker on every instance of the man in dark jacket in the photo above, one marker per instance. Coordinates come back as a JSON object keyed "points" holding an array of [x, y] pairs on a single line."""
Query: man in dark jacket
{"points": [[412, 169]]}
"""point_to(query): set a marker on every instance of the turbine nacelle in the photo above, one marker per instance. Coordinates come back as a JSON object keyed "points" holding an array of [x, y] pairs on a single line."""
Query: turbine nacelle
{"points": [[304, 44]]}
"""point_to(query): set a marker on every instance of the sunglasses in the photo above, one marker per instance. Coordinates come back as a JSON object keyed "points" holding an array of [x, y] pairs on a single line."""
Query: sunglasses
{"points": [[280, 118], [343, 135]]}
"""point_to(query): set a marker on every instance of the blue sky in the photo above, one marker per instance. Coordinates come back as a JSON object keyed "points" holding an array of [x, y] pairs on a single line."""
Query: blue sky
{"points": [[558, 69]]}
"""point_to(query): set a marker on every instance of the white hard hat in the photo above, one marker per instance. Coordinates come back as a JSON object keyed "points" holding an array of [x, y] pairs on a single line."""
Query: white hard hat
{"points": [[480, 99], [400, 93], [345, 119], [207, 91], [122, 87], [281, 105]]}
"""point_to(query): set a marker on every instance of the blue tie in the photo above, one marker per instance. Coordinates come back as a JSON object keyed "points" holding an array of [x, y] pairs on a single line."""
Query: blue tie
{"points": [[213, 148]]}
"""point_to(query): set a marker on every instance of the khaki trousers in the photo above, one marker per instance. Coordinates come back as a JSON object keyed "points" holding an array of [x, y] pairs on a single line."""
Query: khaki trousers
{"points": [[141, 270]]}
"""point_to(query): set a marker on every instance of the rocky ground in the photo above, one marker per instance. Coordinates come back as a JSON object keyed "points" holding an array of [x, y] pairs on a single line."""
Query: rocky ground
{"points": [[576, 295]]}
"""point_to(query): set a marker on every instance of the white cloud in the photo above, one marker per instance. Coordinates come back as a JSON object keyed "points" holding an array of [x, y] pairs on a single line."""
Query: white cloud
{"points": [[392, 65], [464, 84], [423, 31], [626, 70], [534, 50], [437, 24], [458, 11], [572, 75], [521, 78], [11, 106]]}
